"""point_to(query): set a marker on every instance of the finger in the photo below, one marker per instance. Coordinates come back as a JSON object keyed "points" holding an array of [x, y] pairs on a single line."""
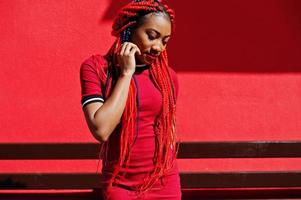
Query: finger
{"points": [[128, 49], [135, 49], [124, 45], [138, 51]]}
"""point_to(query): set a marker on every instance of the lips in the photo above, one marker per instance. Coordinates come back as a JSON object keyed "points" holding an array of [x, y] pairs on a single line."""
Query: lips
{"points": [[151, 56]]}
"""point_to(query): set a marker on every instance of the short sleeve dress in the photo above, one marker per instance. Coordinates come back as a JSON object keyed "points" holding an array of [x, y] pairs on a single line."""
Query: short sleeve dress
{"points": [[141, 160]]}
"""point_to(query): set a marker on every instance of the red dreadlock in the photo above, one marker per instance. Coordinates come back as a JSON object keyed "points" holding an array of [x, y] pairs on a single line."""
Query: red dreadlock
{"points": [[166, 149]]}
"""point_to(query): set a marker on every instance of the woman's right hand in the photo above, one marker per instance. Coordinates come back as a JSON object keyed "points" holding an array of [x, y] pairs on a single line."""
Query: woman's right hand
{"points": [[126, 58]]}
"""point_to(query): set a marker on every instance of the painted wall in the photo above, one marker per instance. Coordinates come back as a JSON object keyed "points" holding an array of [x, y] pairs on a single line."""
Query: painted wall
{"points": [[238, 65]]}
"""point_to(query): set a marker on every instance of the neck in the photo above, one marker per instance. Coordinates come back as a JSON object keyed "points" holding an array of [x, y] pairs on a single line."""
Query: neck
{"points": [[141, 67]]}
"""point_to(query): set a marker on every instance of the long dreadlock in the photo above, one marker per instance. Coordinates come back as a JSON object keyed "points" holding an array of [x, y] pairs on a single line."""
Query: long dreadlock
{"points": [[166, 149]]}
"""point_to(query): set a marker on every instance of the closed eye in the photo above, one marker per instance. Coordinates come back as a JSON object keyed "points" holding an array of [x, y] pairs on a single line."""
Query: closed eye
{"points": [[151, 36]]}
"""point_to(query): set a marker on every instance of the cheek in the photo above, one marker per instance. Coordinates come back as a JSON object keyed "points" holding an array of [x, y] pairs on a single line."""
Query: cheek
{"points": [[141, 47], [140, 38], [143, 44]]}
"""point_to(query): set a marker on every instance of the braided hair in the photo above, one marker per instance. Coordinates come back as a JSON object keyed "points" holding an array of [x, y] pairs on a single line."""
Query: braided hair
{"points": [[129, 17]]}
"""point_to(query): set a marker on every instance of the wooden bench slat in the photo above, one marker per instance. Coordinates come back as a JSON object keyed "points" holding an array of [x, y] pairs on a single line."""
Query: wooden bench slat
{"points": [[241, 179], [188, 180], [49, 151], [247, 194], [238, 149], [48, 181]]}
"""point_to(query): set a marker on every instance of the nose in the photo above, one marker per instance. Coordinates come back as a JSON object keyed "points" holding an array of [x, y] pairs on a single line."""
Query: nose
{"points": [[157, 47]]}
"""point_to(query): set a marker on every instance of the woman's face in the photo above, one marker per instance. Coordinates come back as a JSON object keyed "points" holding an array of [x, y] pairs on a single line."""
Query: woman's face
{"points": [[151, 37]]}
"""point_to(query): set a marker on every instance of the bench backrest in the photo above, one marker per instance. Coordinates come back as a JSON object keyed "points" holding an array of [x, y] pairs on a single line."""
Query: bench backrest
{"points": [[188, 150]]}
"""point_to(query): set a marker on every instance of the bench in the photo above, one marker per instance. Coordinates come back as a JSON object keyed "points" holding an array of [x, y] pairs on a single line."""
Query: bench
{"points": [[195, 185]]}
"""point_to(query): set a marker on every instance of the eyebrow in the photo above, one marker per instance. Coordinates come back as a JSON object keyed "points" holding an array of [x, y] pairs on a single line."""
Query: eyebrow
{"points": [[152, 29]]}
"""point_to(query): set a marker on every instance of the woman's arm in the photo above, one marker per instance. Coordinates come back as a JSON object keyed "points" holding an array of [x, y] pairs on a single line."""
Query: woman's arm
{"points": [[102, 118]]}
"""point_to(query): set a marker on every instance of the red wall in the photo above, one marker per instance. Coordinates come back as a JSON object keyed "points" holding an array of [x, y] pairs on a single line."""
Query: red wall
{"points": [[238, 64]]}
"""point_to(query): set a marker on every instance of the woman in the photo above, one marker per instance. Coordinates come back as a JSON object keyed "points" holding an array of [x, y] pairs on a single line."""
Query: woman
{"points": [[128, 98]]}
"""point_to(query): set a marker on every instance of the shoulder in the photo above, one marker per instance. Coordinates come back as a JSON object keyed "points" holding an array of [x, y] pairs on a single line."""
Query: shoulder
{"points": [[173, 75], [172, 71], [174, 79], [95, 63]]}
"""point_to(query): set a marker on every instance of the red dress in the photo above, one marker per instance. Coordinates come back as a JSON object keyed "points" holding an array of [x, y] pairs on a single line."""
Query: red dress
{"points": [[141, 161]]}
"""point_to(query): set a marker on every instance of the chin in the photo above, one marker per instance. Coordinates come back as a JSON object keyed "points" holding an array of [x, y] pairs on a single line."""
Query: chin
{"points": [[142, 61], [148, 61]]}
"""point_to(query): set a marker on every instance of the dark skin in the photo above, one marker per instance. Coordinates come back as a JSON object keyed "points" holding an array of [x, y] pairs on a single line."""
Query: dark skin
{"points": [[147, 42], [152, 37]]}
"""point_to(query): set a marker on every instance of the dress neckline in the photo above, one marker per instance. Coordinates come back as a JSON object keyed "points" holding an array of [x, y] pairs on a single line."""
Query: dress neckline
{"points": [[141, 68]]}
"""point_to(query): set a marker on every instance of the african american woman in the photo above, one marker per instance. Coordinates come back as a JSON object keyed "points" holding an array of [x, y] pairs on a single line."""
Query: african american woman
{"points": [[129, 102]]}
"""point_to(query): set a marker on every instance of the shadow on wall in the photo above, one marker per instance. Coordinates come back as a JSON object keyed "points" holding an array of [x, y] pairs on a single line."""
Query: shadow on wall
{"points": [[233, 35]]}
